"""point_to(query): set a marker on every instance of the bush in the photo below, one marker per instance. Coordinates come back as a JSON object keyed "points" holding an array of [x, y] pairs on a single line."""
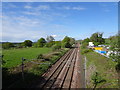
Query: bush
{"points": [[66, 45], [50, 44], [27, 43], [35, 45], [84, 45], [84, 51], [97, 79], [7, 45], [40, 56], [56, 47]]}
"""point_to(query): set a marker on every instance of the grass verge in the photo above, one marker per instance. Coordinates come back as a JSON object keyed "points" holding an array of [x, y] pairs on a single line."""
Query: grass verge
{"points": [[105, 67]]}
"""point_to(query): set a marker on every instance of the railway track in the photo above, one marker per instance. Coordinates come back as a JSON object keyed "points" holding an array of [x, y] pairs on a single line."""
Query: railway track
{"points": [[65, 73]]}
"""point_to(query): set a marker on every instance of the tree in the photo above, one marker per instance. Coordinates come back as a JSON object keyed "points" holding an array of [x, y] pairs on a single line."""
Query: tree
{"points": [[115, 47], [87, 40], [41, 42], [66, 42], [27, 43], [50, 44], [72, 41], [66, 39], [96, 78], [50, 38], [97, 39], [35, 44], [7, 45], [56, 47], [66, 45]]}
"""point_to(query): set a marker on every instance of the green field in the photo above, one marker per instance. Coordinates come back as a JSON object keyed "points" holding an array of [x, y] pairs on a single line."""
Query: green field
{"points": [[12, 57], [12, 70], [105, 67]]}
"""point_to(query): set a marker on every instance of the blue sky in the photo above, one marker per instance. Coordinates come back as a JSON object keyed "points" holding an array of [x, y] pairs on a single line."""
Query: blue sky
{"points": [[32, 20]]}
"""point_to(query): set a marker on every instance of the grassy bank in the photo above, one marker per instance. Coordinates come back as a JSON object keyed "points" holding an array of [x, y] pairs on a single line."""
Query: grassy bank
{"points": [[104, 66], [12, 77]]}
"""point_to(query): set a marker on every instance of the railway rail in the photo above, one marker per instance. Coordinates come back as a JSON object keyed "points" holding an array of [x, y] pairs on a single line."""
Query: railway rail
{"points": [[65, 73]]}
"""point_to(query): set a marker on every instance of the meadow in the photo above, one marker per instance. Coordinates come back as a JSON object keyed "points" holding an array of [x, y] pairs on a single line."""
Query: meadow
{"points": [[13, 57], [11, 70]]}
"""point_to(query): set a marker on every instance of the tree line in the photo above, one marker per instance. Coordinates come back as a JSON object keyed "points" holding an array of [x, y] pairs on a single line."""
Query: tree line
{"points": [[67, 42]]}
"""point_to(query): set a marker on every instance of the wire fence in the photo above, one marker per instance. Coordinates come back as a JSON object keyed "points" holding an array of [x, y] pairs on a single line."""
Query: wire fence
{"points": [[32, 61]]}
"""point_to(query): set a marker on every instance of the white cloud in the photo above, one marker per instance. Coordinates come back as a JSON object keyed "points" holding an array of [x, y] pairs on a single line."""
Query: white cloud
{"points": [[31, 13], [43, 7], [66, 8], [54, 35], [78, 8], [73, 8], [22, 28], [28, 7]]}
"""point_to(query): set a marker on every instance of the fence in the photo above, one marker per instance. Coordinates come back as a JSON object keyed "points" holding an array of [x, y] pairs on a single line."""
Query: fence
{"points": [[32, 61]]}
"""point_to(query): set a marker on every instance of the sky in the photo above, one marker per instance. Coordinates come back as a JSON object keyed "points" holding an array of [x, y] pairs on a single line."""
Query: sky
{"points": [[33, 20]]}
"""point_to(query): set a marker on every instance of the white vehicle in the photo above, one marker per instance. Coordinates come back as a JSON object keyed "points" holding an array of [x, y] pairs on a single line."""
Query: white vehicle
{"points": [[91, 44]]}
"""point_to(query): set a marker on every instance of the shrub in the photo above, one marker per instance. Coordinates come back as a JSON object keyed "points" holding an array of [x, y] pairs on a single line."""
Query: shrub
{"points": [[40, 56], [35, 45], [66, 45], [50, 44], [7, 45], [27, 43], [97, 79], [56, 47], [84, 45], [84, 51]]}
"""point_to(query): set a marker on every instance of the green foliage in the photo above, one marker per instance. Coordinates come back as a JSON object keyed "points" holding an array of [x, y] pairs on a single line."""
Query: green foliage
{"points": [[106, 68], [41, 42], [72, 41], [96, 78], [84, 45], [7, 45], [66, 42], [40, 56], [56, 47], [114, 46], [84, 51], [97, 38], [2, 60], [66, 39], [50, 44], [35, 45], [87, 40], [27, 43], [66, 45]]}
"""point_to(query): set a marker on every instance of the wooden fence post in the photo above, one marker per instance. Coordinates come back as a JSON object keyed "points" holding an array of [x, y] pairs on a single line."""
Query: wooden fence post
{"points": [[22, 68]]}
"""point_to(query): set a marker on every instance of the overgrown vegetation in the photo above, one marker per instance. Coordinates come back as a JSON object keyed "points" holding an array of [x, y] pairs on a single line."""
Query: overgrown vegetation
{"points": [[33, 69], [97, 79], [105, 67], [39, 56], [84, 51]]}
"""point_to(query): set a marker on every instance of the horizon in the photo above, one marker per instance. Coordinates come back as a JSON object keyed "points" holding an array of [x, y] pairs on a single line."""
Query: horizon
{"points": [[31, 21]]}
